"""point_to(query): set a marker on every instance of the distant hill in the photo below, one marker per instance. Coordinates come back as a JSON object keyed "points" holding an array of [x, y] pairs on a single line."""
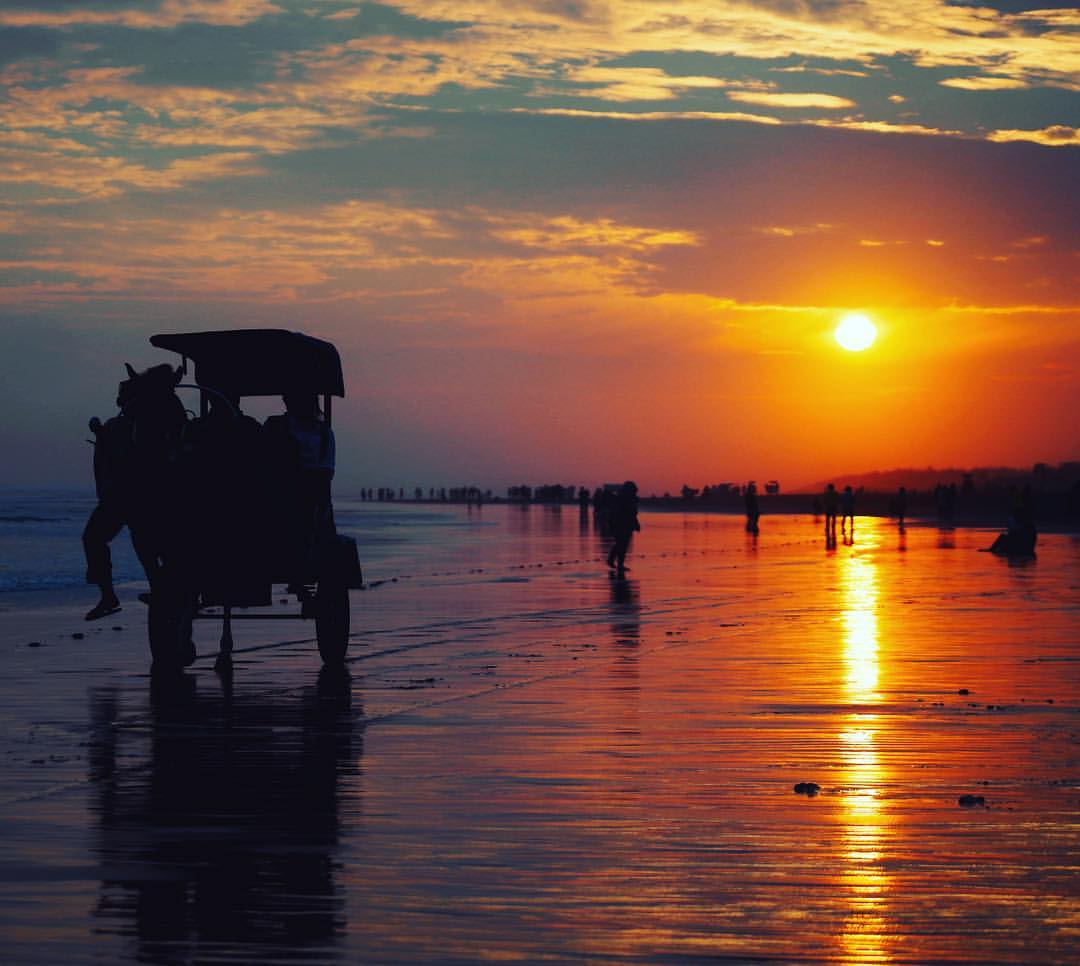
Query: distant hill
{"points": [[1046, 476]]}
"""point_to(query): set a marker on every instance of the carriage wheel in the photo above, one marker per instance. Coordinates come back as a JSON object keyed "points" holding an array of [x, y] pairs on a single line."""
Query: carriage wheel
{"points": [[169, 627], [332, 623]]}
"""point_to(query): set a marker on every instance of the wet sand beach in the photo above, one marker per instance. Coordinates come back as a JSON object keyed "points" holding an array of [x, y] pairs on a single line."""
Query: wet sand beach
{"points": [[530, 760]]}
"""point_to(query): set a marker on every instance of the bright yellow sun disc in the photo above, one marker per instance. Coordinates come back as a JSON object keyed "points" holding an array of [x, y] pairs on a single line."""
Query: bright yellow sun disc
{"points": [[855, 332]]}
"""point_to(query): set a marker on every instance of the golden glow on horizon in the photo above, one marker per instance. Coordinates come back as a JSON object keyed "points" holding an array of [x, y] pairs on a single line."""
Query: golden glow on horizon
{"points": [[855, 332]]}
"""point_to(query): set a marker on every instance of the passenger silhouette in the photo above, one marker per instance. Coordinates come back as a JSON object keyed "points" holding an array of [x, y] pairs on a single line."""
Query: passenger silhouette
{"points": [[222, 475], [901, 506], [623, 523], [304, 454]]}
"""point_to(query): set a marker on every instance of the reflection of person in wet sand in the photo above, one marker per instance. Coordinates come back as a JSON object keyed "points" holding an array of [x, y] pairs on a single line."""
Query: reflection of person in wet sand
{"points": [[219, 828], [623, 523], [625, 613]]}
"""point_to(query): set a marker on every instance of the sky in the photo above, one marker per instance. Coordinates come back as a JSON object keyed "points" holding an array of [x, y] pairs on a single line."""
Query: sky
{"points": [[557, 240]]}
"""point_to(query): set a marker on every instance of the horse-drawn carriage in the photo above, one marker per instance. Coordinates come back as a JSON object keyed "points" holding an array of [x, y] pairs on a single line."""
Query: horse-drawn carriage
{"points": [[238, 507]]}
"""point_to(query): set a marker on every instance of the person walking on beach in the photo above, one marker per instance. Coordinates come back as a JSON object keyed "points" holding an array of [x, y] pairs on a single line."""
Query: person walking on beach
{"points": [[623, 522], [847, 507], [753, 507], [901, 506], [831, 501]]}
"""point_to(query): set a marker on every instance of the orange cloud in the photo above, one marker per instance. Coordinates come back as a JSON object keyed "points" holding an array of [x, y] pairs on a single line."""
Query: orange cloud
{"points": [[638, 83], [1057, 135], [985, 83], [167, 14], [828, 102]]}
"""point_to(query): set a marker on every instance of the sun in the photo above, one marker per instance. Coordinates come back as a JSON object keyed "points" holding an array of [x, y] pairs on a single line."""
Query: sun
{"points": [[855, 332]]}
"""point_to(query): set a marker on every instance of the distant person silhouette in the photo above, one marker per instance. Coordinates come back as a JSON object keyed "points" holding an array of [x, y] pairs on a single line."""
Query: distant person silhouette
{"points": [[847, 507], [1021, 536], [752, 505], [623, 523], [901, 506], [830, 500], [584, 501]]}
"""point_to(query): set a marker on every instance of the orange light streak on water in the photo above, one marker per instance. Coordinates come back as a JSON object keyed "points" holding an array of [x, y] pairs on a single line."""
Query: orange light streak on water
{"points": [[864, 935]]}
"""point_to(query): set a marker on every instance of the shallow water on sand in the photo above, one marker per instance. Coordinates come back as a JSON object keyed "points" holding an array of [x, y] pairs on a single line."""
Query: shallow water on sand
{"points": [[532, 760]]}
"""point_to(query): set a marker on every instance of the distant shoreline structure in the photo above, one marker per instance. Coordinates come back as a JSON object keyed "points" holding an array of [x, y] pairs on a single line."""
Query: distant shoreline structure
{"points": [[981, 496], [1057, 516]]}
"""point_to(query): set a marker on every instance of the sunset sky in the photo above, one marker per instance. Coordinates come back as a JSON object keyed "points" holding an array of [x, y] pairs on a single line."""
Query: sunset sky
{"points": [[557, 240]]}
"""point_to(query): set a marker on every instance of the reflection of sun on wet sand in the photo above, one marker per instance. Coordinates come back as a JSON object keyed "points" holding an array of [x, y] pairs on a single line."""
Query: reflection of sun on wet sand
{"points": [[866, 926], [555, 764], [861, 810]]}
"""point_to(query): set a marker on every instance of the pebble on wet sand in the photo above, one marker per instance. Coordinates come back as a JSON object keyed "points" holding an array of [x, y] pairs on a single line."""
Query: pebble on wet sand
{"points": [[34, 644], [971, 801], [807, 788], [78, 636]]}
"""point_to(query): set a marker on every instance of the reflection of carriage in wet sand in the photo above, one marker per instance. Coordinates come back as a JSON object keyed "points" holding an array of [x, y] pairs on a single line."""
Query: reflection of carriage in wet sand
{"points": [[245, 508]]}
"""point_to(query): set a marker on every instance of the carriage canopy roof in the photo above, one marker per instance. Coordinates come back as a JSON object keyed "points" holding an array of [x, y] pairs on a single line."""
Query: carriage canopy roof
{"points": [[259, 362]]}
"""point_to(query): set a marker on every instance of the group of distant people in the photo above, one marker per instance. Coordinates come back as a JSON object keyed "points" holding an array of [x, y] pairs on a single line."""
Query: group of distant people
{"points": [[615, 514], [832, 501], [162, 473]]}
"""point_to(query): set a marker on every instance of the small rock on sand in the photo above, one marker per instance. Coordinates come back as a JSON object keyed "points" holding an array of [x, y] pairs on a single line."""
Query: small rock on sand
{"points": [[78, 636], [34, 644], [807, 788], [971, 801]]}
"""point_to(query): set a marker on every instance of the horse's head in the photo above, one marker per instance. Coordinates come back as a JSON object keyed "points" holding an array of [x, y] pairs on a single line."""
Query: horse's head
{"points": [[148, 387]]}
